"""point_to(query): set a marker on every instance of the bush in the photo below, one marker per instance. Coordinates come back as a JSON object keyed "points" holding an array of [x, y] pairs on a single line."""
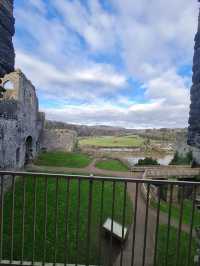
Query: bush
{"points": [[147, 161], [181, 160]]}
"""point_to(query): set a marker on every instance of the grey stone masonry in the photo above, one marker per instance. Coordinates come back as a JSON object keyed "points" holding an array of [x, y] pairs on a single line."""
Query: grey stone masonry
{"points": [[194, 118], [7, 30], [21, 123]]}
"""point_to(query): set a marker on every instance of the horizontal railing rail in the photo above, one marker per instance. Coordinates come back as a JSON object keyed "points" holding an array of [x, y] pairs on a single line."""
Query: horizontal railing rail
{"points": [[93, 220]]}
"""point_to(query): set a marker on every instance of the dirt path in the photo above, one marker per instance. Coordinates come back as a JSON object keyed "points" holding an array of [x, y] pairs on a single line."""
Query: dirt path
{"points": [[89, 170], [140, 233], [139, 236]]}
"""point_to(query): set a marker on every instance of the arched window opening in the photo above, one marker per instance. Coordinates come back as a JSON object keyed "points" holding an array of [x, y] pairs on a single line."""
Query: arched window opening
{"points": [[8, 85]]}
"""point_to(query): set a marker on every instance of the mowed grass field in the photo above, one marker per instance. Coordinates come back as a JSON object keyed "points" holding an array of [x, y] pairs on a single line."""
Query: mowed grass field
{"points": [[172, 251], [63, 159], [175, 211], [112, 141], [112, 165], [66, 239]]}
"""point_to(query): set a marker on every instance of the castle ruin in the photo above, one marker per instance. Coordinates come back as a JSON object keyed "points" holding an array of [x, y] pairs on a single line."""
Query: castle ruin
{"points": [[194, 119], [7, 30], [22, 133], [21, 124]]}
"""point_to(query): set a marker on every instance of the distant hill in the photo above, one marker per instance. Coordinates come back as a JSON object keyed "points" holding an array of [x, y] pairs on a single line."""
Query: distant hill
{"points": [[164, 134], [86, 131]]}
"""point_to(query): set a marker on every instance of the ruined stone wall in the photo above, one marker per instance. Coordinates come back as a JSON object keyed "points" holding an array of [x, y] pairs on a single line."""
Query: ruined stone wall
{"points": [[194, 118], [181, 144], [27, 122], [59, 139], [7, 30], [183, 148]]}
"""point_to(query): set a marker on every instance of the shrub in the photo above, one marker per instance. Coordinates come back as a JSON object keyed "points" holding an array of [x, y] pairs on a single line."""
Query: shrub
{"points": [[147, 161], [181, 160]]}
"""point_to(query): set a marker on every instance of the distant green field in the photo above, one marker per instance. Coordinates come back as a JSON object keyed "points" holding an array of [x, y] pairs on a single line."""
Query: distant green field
{"points": [[112, 141]]}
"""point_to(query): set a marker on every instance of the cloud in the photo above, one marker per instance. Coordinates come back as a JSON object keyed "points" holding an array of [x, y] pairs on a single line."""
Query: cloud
{"points": [[39, 5], [82, 79], [92, 23], [156, 35], [118, 65], [169, 86], [152, 115]]}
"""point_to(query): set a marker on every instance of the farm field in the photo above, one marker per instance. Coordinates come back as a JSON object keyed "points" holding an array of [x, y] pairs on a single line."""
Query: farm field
{"points": [[113, 141]]}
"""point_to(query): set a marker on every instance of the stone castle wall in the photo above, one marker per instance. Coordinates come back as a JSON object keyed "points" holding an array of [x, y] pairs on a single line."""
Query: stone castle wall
{"points": [[181, 144], [20, 133], [194, 118], [59, 140], [7, 30]]}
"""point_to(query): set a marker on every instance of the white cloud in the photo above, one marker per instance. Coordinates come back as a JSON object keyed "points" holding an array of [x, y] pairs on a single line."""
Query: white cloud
{"points": [[152, 40], [168, 86], [39, 5], [47, 77], [152, 115], [156, 35], [146, 107], [95, 25]]}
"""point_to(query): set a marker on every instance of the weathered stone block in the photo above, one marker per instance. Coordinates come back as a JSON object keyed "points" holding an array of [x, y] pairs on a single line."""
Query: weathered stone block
{"points": [[7, 30]]}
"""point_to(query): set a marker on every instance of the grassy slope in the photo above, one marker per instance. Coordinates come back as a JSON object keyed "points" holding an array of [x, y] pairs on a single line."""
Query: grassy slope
{"points": [[113, 165], [184, 244], [72, 221], [112, 141], [187, 212], [63, 159]]}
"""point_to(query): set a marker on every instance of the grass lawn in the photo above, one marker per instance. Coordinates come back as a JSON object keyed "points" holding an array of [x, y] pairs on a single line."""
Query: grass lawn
{"points": [[187, 212], [63, 159], [66, 244], [112, 141], [184, 245], [113, 165]]}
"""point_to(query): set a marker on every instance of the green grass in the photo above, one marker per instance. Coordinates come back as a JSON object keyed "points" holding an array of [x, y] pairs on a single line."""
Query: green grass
{"points": [[184, 244], [112, 141], [63, 159], [113, 165], [71, 249], [175, 211]]}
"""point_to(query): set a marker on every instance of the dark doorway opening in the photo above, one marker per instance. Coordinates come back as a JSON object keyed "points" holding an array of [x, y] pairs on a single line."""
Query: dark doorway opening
{"points": [[29, 150], [17, 155]]}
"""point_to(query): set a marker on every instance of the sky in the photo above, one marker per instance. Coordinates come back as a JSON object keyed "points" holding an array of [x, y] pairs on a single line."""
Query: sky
{"points": [[124, 63]]}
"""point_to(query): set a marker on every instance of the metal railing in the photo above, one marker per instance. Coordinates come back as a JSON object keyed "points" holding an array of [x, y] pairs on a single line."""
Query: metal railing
{"points": [[59, 219]]}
